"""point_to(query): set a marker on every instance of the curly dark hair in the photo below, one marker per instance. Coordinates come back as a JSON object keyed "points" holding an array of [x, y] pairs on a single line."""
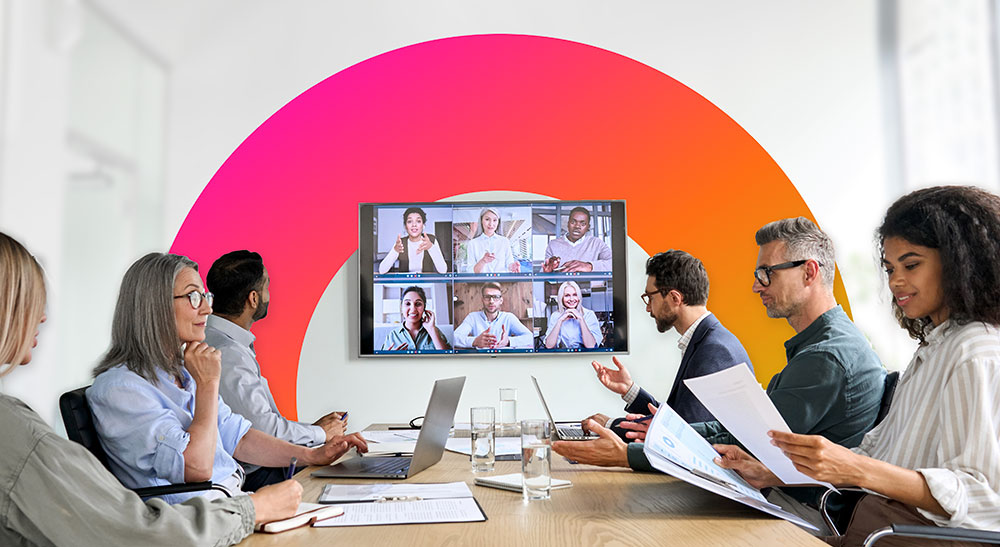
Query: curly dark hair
{"points": [[963, 224]]}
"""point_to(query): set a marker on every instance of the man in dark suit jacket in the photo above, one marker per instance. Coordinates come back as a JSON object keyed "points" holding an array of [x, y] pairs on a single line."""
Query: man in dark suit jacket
{"points": [[676, 297]]}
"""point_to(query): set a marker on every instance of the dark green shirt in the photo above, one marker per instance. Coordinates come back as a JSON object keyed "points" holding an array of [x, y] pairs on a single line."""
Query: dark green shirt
{"points": [[831, 386]]}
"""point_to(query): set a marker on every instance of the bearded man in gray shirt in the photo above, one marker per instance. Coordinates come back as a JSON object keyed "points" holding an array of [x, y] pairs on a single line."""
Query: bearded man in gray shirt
{"points": [[240, 283]]}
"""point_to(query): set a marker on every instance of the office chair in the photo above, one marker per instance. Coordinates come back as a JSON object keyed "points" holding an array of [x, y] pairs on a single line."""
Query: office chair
{"points": [[80, 428], [853, 495]]}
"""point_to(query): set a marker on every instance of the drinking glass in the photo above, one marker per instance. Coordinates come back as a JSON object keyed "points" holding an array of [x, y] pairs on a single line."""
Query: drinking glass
{"points": [[536, 459], [483, 422], [508, 410]]}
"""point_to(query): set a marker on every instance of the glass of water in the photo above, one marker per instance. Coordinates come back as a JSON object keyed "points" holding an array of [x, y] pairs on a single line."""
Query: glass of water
{"points": [[483, 422], [536, 459], [508, 411]]}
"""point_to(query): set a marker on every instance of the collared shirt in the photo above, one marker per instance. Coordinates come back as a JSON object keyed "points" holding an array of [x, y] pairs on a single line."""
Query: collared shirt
{"points": [[682, 344], [415, 258], [570, 335], [832, 384], [143, 428], [476, 323], [586, 249], [247, 392], [53, 491], [400, 335], [944, 422], [496, 244]]}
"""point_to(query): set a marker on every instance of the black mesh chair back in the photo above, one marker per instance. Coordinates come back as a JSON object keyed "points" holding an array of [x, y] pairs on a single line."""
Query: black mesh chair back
{"points": [[79, 422]]}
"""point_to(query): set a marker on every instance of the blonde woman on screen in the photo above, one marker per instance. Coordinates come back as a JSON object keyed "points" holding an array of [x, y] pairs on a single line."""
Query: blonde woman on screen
{"points": [[55, 492], [490, 252], [572, 326]]}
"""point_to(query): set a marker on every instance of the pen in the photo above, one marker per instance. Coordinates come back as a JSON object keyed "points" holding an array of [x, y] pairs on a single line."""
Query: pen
{"points": [[291, 468], [642, 420]]}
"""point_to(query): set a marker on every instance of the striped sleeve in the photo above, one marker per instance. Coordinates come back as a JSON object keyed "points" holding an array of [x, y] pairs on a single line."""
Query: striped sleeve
{"points": [[966, 483]]}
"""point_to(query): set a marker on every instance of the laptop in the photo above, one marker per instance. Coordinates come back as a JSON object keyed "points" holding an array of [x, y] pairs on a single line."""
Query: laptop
{"points": [[570, 431], [438, 420]]}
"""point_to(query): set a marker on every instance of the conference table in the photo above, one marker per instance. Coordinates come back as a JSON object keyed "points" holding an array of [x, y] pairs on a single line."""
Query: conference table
{"points": [[605, 506]]}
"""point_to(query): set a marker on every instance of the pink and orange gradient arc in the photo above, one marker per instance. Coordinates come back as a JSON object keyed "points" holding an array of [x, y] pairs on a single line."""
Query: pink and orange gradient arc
{"points": [[491, 112]]}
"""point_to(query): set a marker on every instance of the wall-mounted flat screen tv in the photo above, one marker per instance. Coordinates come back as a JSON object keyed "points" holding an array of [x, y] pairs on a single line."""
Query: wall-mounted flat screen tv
{"points": [[511, 277]]}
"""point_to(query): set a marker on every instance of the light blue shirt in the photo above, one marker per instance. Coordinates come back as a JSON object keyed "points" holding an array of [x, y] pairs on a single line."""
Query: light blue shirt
{"points": [[143, 428], [400, 335], [570, 335], [476, 323]]}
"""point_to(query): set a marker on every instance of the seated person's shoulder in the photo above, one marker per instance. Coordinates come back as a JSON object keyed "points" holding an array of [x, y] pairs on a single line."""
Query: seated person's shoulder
{"points": [[20, 426]]}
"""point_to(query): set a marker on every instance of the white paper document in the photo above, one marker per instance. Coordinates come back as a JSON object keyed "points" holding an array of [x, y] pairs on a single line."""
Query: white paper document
{"points": [[505, 446], [391, 448], [390, 436], [345, 493], [408, 512], [735, 398], [676, 449]]}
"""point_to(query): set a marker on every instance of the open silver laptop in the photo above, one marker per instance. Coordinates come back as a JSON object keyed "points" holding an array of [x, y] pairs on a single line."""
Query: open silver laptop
{"points": [[566, 432], [438, 420]]}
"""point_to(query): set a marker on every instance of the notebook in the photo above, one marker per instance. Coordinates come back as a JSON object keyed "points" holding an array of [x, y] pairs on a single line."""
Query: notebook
{"points": [[307, 514], [567, 431], [513, 483], [430, 444]]}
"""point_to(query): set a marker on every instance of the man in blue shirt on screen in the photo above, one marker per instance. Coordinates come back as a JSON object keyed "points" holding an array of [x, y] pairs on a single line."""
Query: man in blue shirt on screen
{"points": [[491, 327]]}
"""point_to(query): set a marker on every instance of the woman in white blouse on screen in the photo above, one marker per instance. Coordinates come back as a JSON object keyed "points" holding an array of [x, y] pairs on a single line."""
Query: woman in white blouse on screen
{"points": [[935, 459], [490, 252], [572, 326], [416, 251]]}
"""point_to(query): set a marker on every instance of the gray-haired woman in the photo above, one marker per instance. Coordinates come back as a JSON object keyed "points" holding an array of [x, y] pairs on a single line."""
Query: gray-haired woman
{"points": [[156, 400], [55, 492]]}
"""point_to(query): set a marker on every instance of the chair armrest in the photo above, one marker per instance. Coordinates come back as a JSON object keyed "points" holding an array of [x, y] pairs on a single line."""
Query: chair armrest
{"points": [[825, 498], [173, 489], [933, 532]]}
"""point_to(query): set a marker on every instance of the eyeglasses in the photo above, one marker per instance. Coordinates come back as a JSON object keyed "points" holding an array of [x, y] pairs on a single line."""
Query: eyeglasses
{"points": [[763, 273], [196, 297], [492, 297], [646, 296]]}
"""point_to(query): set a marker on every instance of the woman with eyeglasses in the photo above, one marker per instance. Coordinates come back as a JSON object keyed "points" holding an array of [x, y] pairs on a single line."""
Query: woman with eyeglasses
{"points": [[935, 458], [155, 398], [572, 326], [55, 492]]}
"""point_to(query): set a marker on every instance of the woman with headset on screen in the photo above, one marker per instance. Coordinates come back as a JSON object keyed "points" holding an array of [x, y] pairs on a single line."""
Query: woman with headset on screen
{"points": [[418, 331], [54, 491], [572, 326], [416, 251], [490, 252]]}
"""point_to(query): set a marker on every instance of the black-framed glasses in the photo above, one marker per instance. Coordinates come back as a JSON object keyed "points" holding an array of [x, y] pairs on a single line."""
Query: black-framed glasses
{"points": [[493, 297], [647, 295], [763, 273], [196, 297]]}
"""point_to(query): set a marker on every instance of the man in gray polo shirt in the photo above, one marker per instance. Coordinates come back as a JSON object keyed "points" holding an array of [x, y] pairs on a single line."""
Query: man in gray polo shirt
{"points": [[240, 284]]}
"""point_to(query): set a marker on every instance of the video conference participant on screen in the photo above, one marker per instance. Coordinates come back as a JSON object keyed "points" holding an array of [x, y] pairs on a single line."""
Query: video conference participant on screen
{"points": [[577, 251], [491, 327], [490, 252], [572, 326], [417, 252], [418, 331]]}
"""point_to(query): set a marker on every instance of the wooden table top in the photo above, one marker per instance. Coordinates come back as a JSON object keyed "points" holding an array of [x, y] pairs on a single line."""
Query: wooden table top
{"points": [[605, 506]]}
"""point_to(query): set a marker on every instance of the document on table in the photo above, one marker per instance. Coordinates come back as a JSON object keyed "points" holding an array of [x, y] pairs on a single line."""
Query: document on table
{"points": [[671, 441], [347, 493], [737, 401], [505, 446], [408, 512], [391, 448], [390, 436]]}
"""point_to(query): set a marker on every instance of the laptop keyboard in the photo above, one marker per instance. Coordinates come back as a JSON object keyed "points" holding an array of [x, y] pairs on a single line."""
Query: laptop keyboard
{"points": [[390, 465], [572, 433]]}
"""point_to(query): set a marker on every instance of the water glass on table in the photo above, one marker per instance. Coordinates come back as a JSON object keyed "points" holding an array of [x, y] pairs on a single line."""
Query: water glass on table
{"points": [[483, 423], [536, 459], [508, 411]]}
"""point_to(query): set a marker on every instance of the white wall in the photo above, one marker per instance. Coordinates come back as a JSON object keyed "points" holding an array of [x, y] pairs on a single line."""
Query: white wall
{"points": [[802, 78]]}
